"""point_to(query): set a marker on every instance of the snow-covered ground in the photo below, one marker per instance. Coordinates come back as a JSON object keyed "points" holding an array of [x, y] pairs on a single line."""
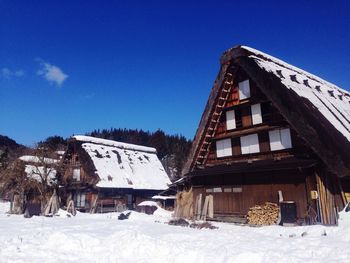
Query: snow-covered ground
{"points": [[144, 238]]}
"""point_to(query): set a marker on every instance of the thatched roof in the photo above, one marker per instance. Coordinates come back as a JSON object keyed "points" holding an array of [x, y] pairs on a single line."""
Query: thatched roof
{"points": [[318, 110], [122, 165]]}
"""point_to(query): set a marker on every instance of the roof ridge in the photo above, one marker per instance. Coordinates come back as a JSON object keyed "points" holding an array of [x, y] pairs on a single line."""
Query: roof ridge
{"points": [[106, 142], [262, 55], [252, 52]]}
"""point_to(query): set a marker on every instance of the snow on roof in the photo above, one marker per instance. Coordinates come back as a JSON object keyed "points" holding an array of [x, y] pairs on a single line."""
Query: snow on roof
{"points": [[121, 145], [148, 203], [162, 197], [36, 159], [331, 101], [34, 172], [129, 166]]}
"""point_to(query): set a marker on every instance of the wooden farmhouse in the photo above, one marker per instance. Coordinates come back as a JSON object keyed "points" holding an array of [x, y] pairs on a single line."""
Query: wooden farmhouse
{"points": [[268, 127], [35, 179], [104, 175]]}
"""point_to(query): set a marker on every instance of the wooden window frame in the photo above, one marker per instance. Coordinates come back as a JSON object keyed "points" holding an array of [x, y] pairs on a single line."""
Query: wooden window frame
{"points": [[244, 144], [256, 114], [284, 139], [231, 120], [223, 151], [244, 89]]}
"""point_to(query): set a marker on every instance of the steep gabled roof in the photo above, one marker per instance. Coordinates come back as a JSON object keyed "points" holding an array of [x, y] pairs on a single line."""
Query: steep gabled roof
{"points": [[122, 165], [318, 110]]}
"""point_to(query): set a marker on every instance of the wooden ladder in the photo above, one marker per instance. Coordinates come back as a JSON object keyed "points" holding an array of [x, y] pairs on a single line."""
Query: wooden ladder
{"points": [[215, 119]]}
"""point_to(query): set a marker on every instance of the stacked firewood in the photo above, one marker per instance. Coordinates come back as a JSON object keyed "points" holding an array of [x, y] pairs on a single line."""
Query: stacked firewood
{"points": [[266, 214]]}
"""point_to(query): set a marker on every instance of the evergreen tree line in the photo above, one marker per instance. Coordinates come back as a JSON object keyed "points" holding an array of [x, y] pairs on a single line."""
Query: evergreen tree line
{"points": [[167, 145], [9, 150]]}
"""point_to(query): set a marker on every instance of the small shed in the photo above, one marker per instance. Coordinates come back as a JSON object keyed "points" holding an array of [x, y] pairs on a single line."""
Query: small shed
{"points": [[147, 207]]}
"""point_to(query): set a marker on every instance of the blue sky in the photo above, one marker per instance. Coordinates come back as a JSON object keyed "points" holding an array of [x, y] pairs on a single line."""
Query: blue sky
{"points": [[68, 67]]}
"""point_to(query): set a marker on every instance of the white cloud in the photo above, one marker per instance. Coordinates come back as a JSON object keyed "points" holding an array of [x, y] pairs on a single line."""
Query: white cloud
{"points": [[7, 73], [87, 96], [51, 73]]}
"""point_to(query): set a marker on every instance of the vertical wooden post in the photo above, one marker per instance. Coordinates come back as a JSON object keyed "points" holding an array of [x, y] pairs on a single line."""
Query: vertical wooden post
{"points": [[321, 199], [342, 194], [211, 206], [326, 198], [11, 203], [205, 208], [198, 208]]}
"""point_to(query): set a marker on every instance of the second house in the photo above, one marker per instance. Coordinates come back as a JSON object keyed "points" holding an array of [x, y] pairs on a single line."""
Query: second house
{"points": [[104, 175]]}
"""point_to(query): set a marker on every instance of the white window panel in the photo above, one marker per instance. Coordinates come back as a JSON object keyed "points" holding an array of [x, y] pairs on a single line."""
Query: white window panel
{"points": [[80, 200], [230, 120], [254, 143], [76, 174], [237, 190], [250, 144], [223, 148], [256, 113], [217, 190], [280, 139], [275, 140], [244, 89], [227, 190]]}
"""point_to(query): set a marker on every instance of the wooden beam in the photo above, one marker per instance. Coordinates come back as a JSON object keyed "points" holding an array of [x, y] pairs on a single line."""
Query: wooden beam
{"points": [[244, 131]]}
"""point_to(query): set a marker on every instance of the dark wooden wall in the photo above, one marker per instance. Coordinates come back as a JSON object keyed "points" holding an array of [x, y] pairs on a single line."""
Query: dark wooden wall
{"points": [[257, 189], [271, 119]]}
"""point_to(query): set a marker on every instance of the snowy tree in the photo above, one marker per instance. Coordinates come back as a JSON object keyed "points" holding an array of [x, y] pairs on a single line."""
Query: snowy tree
{"points": [[15, 182], [43, 167], [33, 176]]}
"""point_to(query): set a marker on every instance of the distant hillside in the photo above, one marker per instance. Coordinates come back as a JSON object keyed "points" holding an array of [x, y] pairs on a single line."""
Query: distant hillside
{"points": [[172, 149], [9, 149]]}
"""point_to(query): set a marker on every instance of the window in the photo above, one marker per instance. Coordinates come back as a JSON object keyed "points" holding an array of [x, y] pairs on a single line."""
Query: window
{"points": [[76, 174], [244, 89], [230, 120], [227, 190], [223, 148], [217, 190], [237, 189], [280, 139], [256, 113], [250, 144], [80, 200]]}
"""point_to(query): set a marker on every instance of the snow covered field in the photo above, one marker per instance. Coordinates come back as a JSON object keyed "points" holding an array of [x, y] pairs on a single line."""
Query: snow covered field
{"points": [[143, 238]]}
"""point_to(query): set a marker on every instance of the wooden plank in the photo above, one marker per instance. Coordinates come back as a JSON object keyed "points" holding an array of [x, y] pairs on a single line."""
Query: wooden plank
{"points": [[205, 208], [264, 141], [246, 117], [199, 207], [211, 207]]}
